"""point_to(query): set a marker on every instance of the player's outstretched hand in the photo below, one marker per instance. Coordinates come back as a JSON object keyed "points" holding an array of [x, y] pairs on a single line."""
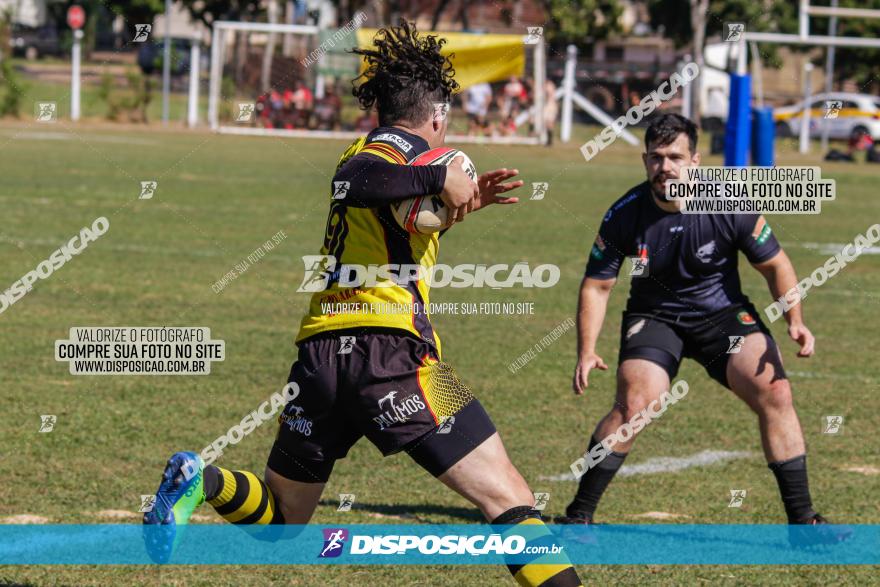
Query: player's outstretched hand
{"points": [[459, 191], [492, 185], [581, 379], [802, 335]]}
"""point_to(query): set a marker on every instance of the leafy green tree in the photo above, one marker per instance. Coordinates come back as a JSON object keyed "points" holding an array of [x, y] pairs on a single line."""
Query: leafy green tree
{"points": [[580, 21]]}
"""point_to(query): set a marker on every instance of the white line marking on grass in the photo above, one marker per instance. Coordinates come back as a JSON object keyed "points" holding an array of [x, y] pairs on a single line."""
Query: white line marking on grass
{"points": [[63, 136], [40, 242], [864, 470], [656, 465], [832, 248], [24, 519], [812, 375], [659, 515]]}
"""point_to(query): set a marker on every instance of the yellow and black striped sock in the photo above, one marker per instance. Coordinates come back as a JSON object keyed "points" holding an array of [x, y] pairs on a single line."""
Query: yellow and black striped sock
{"points": [[544, 570], [241, 497]]}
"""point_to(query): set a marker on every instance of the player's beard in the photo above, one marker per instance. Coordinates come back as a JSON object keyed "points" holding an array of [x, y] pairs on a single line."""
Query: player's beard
{"points": [[658, 186], [658, 189]]}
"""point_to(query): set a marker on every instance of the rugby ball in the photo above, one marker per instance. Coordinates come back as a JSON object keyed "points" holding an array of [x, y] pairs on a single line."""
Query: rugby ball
{"points": [[428, 214]]}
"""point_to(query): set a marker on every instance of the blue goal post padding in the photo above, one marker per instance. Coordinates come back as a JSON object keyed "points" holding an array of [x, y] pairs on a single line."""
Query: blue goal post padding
{"points": [[738, 133], [763, 135]]}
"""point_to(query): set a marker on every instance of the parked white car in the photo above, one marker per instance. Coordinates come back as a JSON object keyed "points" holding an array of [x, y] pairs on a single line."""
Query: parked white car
{"points": [[843, 112]]}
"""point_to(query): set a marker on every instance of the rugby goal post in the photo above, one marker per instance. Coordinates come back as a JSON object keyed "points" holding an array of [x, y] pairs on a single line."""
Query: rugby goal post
{"points": [[242, 77], [738, 116]]}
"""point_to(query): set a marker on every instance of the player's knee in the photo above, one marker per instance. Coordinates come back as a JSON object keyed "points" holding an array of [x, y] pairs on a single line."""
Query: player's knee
{"points": [[293, 515], [632, 405], [776, 396]]}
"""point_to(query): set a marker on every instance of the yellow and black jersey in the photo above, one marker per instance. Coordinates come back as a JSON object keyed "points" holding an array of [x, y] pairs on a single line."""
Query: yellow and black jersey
{"points": [[371, 272]]}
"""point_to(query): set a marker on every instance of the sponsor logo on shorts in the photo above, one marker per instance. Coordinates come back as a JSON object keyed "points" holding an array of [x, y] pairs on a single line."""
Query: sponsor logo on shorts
{"points": [[745, 318], [294, 417], [394, 411], [635, 328], [334, 540]]}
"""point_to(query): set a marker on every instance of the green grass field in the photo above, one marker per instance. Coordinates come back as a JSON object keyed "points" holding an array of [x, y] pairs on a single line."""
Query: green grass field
{"points": [[220, 197]]}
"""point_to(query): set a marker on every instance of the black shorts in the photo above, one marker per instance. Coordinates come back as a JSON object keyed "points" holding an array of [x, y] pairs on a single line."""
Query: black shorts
{"points": [[383, 384], [707, 339]]}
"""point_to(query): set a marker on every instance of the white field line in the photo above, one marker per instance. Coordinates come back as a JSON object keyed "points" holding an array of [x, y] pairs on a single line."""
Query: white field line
{"points": [[656, 465], [832, 248], [64, 136], [40, 242], [842, 376]]}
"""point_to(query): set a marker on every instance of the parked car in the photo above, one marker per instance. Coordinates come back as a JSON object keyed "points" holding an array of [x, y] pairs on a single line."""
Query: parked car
{"points": [[150, 56], [32, 42], [845, 114]]}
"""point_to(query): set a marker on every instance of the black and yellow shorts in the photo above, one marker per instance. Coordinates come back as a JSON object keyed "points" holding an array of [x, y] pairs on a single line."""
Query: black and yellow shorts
{"points": [[386, 385]]}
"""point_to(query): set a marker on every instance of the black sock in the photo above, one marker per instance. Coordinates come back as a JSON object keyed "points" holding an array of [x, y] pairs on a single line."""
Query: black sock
{"points": [[593, 483], [791, 475], [213, 481]]}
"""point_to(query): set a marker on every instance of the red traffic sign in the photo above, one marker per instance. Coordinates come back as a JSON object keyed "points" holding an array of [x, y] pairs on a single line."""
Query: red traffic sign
{"points": [[76, 17]]}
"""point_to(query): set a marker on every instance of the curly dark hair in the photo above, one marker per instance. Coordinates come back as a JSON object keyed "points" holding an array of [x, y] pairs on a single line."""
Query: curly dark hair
{"points": [[405, 74]]}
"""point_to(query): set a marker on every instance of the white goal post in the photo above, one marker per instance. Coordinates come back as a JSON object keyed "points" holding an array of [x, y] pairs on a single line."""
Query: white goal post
{"points": [[225, 43]]}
